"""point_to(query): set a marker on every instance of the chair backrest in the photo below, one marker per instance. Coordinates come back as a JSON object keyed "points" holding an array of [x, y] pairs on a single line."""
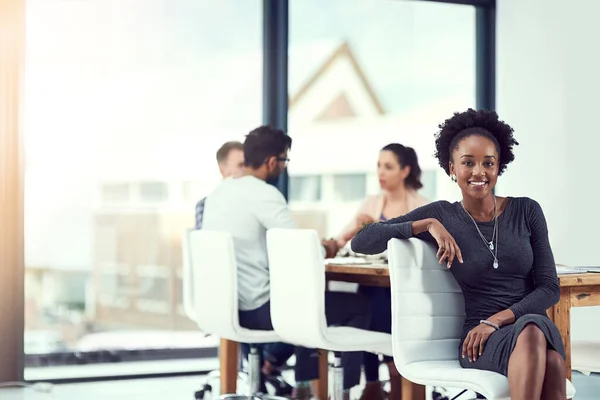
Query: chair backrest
{"points": [[214, 272], [427, 304], [188, 276], [297, 272]]}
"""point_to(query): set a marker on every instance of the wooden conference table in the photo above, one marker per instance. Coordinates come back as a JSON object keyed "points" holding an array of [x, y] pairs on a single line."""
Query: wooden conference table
{"points": [[576, 290]]}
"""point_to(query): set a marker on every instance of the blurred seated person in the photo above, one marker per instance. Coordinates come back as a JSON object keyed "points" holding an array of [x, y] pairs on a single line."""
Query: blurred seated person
{"points": [[246, 207], [400, 179], [230, 158]]}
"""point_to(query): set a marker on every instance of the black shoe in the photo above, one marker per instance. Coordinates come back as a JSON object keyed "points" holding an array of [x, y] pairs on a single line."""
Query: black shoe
{"points": [[282, 388], [435, 395]]}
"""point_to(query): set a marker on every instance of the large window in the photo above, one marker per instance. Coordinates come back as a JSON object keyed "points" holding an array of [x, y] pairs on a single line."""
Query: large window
{"points": [[364, 74], [305, 188], [349, 187], [126, 104]]}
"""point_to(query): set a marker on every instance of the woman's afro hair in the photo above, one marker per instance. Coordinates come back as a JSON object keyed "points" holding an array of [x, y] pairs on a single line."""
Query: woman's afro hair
{"points": [[452, 131]]}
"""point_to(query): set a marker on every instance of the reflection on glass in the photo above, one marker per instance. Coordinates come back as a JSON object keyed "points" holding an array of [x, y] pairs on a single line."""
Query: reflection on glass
{"points": [[366, 74], [115, 193], [349, 187], [305, 188], [154, 192], [429, 180]]}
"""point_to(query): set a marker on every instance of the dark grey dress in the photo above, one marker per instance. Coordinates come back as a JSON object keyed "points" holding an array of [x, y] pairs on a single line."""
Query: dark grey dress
{"points": [[525, 281]]}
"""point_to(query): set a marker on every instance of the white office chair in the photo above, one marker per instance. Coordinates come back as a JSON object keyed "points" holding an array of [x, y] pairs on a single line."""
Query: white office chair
{"points": [[297, 271], [187, 276], [212, 264], [427, 320]]}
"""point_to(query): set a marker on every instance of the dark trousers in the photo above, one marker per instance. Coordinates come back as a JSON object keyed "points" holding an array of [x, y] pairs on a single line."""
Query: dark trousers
{"points": [[341, 309], [381, 321]]}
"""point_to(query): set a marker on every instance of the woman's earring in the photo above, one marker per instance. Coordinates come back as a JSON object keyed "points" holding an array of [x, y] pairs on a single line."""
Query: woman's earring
{"points": [[453, 177]]}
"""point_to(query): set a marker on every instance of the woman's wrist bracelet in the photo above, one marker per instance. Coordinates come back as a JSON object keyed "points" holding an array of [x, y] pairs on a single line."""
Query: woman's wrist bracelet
{"points": [[488, 323]]}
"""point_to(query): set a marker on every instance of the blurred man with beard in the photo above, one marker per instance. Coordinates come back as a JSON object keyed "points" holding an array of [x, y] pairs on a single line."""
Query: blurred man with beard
{"points": [[246, 207]]}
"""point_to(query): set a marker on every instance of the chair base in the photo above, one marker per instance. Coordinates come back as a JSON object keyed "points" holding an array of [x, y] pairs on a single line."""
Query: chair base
{"points": [[253, 378], [199, 394], [338, 377], [214, 375]]}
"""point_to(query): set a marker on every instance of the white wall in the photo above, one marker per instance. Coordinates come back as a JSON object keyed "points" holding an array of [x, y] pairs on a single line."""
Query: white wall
{"points": [[548, 70]]}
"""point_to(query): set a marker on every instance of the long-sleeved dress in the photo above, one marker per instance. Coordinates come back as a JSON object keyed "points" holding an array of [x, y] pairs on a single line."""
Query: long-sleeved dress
{"points": [[524, 282]]}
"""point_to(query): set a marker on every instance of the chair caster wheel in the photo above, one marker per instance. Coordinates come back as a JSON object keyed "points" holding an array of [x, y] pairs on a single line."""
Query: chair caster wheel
{"points": [[199, 395]]}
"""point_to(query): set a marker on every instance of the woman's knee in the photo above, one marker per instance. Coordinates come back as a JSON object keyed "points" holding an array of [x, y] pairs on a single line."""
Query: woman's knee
{"points": [[555, 364], [532, 337]]}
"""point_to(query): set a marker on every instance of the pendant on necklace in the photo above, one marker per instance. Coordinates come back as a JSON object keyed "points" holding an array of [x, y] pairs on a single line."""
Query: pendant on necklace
{"points": [[491, 246], [495, 264]]}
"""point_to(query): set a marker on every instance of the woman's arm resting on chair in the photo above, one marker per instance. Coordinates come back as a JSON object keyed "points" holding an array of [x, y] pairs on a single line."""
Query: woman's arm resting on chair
{"points": [[423, 222]]}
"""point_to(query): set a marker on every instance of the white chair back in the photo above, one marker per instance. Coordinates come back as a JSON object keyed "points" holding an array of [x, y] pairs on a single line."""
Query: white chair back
{"points": [[297, 271], [427, 304], [187, 276], [214, 286]]}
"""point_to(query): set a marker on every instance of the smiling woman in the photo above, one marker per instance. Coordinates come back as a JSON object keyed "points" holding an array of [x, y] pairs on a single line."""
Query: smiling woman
{"points": [[499, 253]]}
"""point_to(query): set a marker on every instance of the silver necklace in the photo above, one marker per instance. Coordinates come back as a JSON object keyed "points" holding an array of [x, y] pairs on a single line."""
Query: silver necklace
{"points": [[489, 245]]}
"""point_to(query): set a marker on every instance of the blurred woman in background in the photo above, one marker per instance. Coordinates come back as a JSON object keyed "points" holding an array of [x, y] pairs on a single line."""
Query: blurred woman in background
{"points": [[399, 176]]}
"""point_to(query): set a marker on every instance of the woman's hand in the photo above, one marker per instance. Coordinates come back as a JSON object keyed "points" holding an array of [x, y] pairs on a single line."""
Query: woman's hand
{"points": [[331, 247], [364, 219], [361, 221], [475, 341], [447, 247]]}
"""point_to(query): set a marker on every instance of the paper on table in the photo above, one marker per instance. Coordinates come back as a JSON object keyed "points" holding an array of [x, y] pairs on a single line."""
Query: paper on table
{"points": [[564, 270], [568, 271], [358, 261], [347, 261]]}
